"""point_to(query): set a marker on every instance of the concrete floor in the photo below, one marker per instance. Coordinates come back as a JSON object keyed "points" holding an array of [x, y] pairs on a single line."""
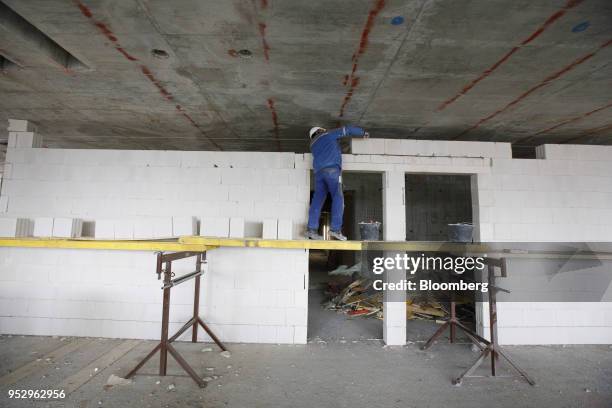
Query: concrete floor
{"points": [[335, 326], [319, 374], [332, 325]]}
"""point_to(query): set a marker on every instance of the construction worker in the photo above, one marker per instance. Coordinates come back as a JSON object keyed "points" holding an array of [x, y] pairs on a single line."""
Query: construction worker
{"points": [[327, 165]]}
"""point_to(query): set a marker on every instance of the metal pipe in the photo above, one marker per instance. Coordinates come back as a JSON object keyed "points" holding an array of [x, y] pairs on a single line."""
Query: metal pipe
{"points": [[163, 353], [178, 255], [196, 298], [179, 280]]}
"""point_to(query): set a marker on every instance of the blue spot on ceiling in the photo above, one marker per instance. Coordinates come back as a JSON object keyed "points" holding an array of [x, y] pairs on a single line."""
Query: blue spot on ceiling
{"points": [[581, 27], [397, 20]]}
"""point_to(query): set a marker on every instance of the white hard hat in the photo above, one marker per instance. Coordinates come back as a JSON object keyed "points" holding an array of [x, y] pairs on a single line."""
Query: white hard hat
{"points": [[314, 130]]}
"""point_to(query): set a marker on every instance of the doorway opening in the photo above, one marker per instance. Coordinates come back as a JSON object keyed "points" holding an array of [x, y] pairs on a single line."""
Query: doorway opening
{"points": [[433, 201], [334, 313]]}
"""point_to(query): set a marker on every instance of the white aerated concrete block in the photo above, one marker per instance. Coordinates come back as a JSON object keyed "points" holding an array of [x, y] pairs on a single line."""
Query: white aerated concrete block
{"points": [[124, 229], [367, 146], [270, 228], [67, 227], [236, 228], [184, 226], [574, 152], [154, 227], [16, 227], [4, 204], [433, 148], [104, 229], [8, 227], [162, 227], [214, 227], [18, 125], [394, 336], [143, 228], [24, 140], [43, 227], [285, 229]]}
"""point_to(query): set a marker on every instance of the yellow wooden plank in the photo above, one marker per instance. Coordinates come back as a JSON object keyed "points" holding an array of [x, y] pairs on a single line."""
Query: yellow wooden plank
{"points": [[272, 243], [335, 245], [101, 244], [197, 244]]}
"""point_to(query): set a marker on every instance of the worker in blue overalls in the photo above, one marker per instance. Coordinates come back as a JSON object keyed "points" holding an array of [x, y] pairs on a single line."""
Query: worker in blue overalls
{"points": [[327, 165]]}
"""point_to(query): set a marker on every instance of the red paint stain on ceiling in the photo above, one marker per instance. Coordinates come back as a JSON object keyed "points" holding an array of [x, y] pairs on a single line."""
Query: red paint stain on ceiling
{"points": [[106, 31], [549, 21], [351, 80], [274, 114], [264, 42], [589, 132], [575, 119], [541, 84]]}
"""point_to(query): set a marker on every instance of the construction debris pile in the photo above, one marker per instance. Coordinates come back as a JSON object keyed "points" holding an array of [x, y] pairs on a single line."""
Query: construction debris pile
{"points": [[358, 298], [353, 294]]}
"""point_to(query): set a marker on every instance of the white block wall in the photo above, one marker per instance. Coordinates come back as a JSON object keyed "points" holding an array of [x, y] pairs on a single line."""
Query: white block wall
{"points": [[563, 196], [394, 324], [248, 296], [16, 227], [111, 184]]}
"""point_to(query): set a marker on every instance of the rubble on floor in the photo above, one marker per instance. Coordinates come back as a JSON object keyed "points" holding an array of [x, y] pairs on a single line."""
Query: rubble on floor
{"points": [[353, 294], [357, 298], [116, 380]]}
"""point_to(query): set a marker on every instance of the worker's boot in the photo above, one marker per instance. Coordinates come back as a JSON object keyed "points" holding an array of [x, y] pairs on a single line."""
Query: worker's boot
{"points": [[337, 235], [312, 234]]}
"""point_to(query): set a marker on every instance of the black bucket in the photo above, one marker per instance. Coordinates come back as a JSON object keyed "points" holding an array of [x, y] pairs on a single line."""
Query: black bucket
{"points": [[461, 232], [369, 231]]}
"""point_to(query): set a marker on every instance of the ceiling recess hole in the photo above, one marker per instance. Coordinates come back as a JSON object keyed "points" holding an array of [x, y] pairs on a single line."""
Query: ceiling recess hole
{"points": [[163, 54], [245, 53]]}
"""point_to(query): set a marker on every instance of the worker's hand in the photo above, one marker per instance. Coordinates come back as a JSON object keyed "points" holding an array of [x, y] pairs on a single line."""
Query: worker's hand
{"points": [[366, 135]]}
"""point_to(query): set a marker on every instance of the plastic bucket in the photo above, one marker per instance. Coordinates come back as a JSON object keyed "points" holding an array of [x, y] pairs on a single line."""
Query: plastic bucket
{"points": [[369, 231], [461, 232]]}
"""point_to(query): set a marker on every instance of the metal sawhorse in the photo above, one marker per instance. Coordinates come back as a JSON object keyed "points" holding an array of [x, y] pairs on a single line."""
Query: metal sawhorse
{"points": [[164, 266]]}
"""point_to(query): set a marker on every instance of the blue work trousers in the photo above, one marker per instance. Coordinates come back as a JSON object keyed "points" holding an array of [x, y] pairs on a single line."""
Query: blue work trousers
{"points": [[327, 180]]}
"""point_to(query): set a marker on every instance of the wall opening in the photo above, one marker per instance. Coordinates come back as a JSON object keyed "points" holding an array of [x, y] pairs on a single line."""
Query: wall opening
{"points": [[524, 152], [432, 202], [341, 306]]}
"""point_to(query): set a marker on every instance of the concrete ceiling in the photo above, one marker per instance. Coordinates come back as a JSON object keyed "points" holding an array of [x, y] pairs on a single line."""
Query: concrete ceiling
{"points": [[524, 71]]}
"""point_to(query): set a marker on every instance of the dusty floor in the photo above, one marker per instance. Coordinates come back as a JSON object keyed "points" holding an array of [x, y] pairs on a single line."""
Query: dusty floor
{"points": [[335, 326], [320, 374], [331, 325]]}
